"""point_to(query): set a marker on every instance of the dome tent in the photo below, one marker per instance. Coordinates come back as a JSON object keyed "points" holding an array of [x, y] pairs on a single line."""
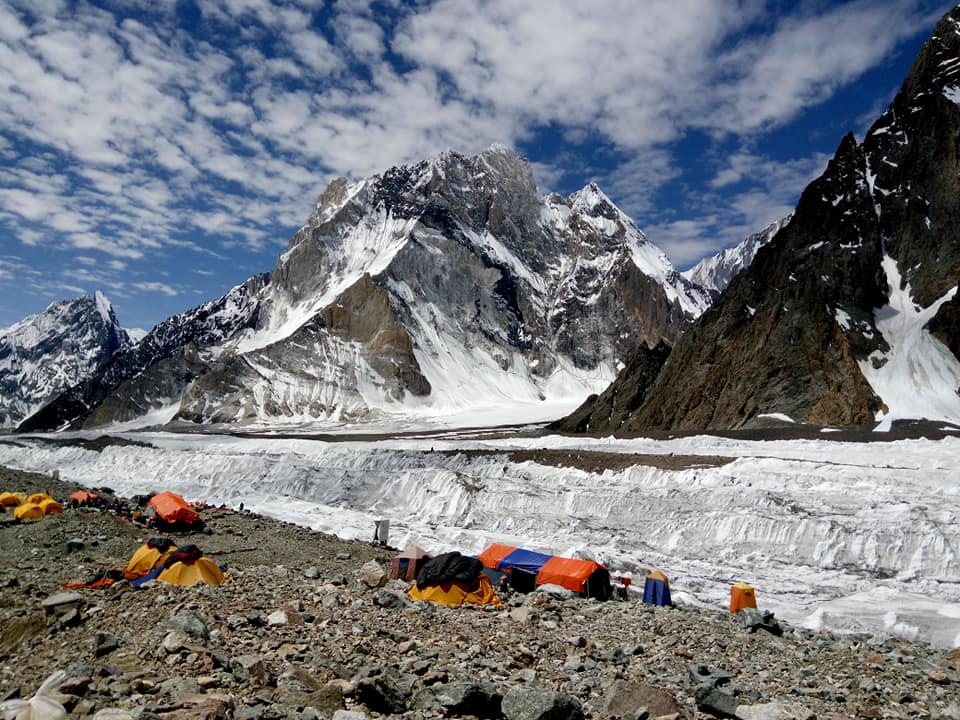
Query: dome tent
{"points": [[585, 577]]}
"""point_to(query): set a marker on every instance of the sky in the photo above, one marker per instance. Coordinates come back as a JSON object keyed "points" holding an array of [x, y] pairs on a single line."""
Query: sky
{"points": [[163, 152]]}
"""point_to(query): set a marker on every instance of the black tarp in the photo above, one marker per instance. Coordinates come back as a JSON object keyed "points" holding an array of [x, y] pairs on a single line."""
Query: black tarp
{"points": [[448, 567]]}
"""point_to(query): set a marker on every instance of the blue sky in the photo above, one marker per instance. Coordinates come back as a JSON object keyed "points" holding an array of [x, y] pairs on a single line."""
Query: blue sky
{"points": [[162, 152]]}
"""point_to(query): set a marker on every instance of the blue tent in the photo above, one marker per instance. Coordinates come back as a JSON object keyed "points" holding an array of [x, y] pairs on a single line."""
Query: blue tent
{"points": [[656, 589]]}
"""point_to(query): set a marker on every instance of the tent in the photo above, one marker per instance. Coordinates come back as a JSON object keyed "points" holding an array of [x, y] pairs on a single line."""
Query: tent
{"points": [[586, 577], [405, 565], [38, 498], [188, 566], [456, 593], [453, 579], [83, 497], [28, 511], [656, 589], [51, 507], [742, 596], [152, 553], [8, 499], [173, 509]]}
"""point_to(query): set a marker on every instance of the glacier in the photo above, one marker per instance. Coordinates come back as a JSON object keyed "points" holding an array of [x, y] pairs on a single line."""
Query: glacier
{"points": [[853, 537]]}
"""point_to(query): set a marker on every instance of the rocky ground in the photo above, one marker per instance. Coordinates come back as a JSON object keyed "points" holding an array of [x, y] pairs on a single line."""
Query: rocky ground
{"points": [[308, 628]]}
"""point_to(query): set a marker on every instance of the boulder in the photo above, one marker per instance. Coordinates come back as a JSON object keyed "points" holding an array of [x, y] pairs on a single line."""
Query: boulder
{"points": [[536, 703], [372, 575]]}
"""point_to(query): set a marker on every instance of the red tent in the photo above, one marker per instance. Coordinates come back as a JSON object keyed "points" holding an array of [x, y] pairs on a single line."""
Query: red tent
{"points": [[171, 508]]}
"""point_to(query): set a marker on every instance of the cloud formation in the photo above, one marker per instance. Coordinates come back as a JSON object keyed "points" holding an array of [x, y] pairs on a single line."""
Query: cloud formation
{"points": [[139, 132]]}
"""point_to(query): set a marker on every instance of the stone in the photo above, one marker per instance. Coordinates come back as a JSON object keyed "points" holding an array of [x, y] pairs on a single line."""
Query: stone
{"points": [[311, 573], [753, 620], [388, 599], [715, 701], [277, 618], [623, 698], [191, 624], [525, 614], [384, 693], [105, 643], [249, 667], [61, 602], [466, 698], [175, 641], [75, 545], [774, 711], [372, 575], [537, 703], [350, 715]]}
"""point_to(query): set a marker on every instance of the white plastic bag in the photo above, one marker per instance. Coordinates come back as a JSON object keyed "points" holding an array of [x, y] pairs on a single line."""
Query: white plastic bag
{"points": [[39, 707]]}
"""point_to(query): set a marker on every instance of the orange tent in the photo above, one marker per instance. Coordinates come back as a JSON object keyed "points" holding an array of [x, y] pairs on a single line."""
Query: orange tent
{"points": [[38, 498], [172, 508], [492, 556], [9, 499], [742, 596], [567, 572], [83, 497], [586, 577]]}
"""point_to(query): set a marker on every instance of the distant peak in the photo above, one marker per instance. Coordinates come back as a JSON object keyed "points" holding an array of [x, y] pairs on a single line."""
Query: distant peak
{"points": [[499, 149]]}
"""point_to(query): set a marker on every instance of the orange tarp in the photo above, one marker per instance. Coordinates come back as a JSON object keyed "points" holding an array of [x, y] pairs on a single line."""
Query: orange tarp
{"points": [[567, 572], [742, 596], [172, 508], [492, 556], [456, 593], [83, 496]]}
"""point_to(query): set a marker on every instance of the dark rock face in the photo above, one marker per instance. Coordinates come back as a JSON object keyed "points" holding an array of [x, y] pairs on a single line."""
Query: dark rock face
{"points": [[605, 413], [45, 354], [789, 333]]}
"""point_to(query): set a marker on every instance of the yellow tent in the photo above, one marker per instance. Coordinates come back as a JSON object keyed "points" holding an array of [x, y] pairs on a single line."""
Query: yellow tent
{"points": [[9, 499], [38, 498], [148, 556], [51, 507], [742, 596], [28, 511], [456, 593], [200, 570]]}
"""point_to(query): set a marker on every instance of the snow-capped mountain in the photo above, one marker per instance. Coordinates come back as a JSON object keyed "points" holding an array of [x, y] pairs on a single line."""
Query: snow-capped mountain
{"points": [[850, 314], [432, 288], [716, 272], [44, 354]]}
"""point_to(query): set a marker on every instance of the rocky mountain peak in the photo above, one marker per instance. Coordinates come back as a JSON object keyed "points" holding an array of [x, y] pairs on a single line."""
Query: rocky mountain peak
{"points": [[44, 354]]}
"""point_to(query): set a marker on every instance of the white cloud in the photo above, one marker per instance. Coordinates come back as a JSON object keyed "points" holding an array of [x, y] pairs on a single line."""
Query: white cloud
{"points": [[156, 287], [135, 138]]}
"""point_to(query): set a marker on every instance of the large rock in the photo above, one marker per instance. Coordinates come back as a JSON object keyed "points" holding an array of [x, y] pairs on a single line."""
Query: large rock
{"points": [[625, 698], [536, 703]]}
